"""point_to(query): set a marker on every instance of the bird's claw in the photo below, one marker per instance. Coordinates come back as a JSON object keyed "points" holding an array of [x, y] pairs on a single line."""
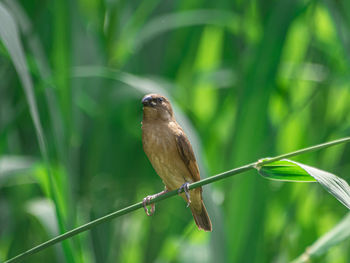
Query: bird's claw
{"points": [[185, 188], [147, 199], [145, 202]]}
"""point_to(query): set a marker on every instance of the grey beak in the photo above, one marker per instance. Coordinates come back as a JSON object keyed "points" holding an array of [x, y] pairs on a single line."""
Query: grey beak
{"points": [[146, 101]]}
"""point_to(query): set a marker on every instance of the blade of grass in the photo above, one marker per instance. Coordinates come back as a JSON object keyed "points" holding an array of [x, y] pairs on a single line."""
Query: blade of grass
{"points": [[13, 163], [130, 30], [336, 186], [143, 85], [167, 195], [45, 73], [9, 35], [61, 59], [15, 168], [336, 235], [287, 170], [174, 21], [251, 132]]}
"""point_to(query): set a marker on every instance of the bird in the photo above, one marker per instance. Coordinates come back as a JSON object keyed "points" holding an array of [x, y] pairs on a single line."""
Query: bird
{"points": [[171, 155]]}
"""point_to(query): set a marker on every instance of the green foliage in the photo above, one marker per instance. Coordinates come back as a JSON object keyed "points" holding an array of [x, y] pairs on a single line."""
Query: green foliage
{"points": [[337, 234], [287, 170], [248, 79]]}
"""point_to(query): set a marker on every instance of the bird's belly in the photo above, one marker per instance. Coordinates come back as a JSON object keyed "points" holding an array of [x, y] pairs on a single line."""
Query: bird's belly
{"points": [[170, 172]]}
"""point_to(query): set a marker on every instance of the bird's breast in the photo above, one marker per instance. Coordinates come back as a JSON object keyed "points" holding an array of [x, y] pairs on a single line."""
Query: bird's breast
{"points": [[160, 147]]}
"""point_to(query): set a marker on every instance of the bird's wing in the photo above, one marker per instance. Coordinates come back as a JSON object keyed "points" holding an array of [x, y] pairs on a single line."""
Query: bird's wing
{"points": [[186, 152]]}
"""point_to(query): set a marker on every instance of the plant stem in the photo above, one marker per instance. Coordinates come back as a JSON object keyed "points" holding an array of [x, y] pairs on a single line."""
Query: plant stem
{"points": [[162, 197], [308, 149]]}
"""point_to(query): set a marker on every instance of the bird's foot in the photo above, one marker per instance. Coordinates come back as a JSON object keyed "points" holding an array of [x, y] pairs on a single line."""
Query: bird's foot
{"points": [[185, 188], [146, 201]]}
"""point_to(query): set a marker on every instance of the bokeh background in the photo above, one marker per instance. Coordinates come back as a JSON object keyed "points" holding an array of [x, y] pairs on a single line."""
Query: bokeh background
{"points": [[248, 79]]}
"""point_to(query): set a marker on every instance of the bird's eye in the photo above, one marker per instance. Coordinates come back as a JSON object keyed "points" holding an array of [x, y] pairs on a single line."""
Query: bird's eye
{"points": [[159, 100]]}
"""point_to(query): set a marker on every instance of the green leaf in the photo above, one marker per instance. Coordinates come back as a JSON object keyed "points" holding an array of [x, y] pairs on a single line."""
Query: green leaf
{"points": [[44, 210], [336, 235], [336, 186], [9, 35], [140, 84], [287, 170], [14, 169], [178, 20], [10, 164]]}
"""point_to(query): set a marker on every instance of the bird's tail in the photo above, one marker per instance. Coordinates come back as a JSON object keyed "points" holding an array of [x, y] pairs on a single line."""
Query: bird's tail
{"points": [[201, 217]]}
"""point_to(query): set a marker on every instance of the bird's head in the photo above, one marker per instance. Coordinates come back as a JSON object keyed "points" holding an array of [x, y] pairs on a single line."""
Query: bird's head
{"points": [[156, 107]]}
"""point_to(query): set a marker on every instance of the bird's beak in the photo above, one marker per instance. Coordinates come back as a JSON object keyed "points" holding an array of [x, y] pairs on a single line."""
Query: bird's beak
{"points": [[147, 101]]}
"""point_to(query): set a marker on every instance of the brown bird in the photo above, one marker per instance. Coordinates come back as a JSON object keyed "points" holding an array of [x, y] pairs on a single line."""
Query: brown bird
{"points": [[171, 154]]}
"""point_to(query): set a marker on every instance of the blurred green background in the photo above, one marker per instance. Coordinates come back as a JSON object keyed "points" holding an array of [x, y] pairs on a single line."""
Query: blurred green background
{"points": [[248, 79]]}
